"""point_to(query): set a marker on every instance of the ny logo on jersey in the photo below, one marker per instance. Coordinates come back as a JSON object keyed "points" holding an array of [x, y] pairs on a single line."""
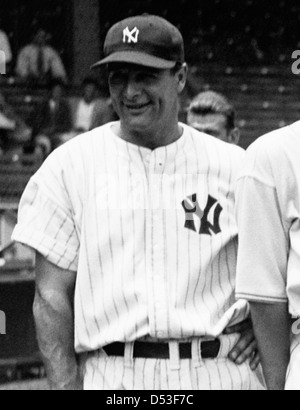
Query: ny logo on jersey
{"points": [[193, 211], [130, 36]]}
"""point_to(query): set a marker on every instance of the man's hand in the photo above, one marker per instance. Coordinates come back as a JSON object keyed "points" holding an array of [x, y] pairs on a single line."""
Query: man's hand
{"points": [[246, 348]]}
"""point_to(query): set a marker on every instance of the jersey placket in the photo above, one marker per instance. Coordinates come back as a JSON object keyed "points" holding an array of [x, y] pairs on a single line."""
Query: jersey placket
{"points": [[158, 315]]}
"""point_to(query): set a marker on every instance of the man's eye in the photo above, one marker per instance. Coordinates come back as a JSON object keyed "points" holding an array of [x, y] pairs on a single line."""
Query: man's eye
{"points": [[117, 77], [146, 77], [120, 77]]}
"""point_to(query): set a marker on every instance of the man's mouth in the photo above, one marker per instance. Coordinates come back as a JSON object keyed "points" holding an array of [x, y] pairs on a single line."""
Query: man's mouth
{"points": [[137, 107]]}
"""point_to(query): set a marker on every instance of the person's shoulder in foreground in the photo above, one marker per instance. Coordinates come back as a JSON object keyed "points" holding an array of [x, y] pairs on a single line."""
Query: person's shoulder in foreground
{"points": [[266, 210], [266, 156], [58, 187], [268, 261], [74, 157]]}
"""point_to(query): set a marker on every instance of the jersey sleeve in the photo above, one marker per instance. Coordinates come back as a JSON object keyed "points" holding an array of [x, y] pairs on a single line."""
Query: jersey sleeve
{"points": [[263, 239], [45, 219]]}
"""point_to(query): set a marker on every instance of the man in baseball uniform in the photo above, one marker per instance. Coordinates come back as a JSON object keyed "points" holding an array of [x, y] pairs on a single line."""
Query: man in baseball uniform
{"points": [[268, 210], [211, 113], [136, 240]]}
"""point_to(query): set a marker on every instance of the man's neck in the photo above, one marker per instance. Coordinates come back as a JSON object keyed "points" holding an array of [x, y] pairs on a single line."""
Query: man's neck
{"points": [[148, 140]]}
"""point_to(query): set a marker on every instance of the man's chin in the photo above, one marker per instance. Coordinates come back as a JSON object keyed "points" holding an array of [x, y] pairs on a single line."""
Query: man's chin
{"points": [[138, 124]]}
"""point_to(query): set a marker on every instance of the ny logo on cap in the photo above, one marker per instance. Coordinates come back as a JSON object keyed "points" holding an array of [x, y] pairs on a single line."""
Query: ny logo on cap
{"points": [[130, 36]]}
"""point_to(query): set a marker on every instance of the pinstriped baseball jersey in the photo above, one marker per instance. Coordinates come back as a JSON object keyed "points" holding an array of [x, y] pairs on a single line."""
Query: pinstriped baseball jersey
{"points": [[151, 234]]}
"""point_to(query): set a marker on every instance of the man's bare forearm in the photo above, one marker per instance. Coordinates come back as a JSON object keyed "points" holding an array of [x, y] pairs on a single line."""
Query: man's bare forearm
{"points": [[272, 327], [55, 330]]}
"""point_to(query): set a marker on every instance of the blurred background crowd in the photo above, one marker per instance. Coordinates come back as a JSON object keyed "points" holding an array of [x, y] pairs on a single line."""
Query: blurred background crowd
{"points": [[241, 49]]}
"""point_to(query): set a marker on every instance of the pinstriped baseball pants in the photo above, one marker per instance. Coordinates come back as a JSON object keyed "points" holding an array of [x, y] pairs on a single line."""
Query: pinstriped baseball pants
{"points": [[117, 373]]}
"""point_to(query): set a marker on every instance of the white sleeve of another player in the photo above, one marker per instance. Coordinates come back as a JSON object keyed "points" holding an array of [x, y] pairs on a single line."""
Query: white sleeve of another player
{"points": [[263, 243], [45, 220]]}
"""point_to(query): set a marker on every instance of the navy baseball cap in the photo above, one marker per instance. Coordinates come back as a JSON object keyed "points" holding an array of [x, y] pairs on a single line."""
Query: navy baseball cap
{"points": [[145, 40]]}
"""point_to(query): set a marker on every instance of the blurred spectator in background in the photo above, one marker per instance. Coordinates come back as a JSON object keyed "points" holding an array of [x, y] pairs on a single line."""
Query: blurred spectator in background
{"points": [[87, 108], [90, 111], [5, 47], [51, 120], [14, 133], [212, 114], [40, 62]]}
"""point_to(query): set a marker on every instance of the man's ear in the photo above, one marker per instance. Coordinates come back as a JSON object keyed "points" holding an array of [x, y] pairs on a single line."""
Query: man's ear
{"points": [[182, 77], [234, 136]]}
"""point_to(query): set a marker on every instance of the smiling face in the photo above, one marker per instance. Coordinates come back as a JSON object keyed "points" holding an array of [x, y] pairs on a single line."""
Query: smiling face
{"points": [[146, 100]]}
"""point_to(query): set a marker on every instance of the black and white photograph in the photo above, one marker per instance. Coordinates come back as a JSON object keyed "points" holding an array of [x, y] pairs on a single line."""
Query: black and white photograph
{"points": [[149, 197]]}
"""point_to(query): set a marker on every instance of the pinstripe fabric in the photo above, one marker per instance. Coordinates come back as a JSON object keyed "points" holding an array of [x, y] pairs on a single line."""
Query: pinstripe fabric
{"points": [[112, 212], [110, 373]]}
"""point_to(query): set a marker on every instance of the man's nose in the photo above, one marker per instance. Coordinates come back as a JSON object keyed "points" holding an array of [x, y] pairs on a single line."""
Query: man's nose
{"points": [[132, 89]]}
